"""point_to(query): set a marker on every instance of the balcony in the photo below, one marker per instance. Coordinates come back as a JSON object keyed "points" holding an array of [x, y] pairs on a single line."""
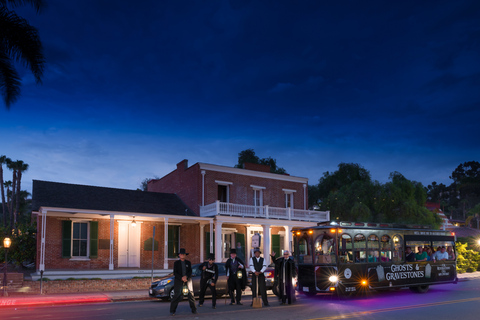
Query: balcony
{"points": [[264, 212]]}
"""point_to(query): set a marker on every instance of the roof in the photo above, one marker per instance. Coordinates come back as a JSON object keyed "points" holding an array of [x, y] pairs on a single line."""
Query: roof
{"points": [[464, 232], [65, 195]]}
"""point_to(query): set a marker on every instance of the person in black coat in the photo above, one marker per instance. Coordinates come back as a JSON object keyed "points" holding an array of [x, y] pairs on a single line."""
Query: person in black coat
{"points": [[209, 280], [236, 277], [285, 272], [182, 272]]}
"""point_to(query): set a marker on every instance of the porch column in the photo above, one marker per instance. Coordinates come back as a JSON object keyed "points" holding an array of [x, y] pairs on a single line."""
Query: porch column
{"points": [[202, 242], [211, 237], [165, 245], [218, 241], [287, 239], [203, 187], [112, 229], [266, 243], [43, 214]]}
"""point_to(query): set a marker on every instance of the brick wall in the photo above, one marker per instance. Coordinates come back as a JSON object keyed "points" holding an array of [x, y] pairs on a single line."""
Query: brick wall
{"points": [[189, 237], [72, 286], [187, 184]]}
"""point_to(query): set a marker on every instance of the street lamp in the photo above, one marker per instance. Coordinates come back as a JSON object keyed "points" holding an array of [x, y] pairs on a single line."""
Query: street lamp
{"points": [[6, 244]]}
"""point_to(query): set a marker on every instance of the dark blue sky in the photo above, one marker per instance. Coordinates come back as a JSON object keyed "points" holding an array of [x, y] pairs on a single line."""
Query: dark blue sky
{"points": [[132, 88]]}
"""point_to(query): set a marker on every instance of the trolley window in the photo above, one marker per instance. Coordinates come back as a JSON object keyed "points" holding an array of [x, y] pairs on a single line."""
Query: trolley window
{"points": [[304, 251], [386, 245], [397, 248], [324, 249], [360, 245], [345, 252], [373, 246]]}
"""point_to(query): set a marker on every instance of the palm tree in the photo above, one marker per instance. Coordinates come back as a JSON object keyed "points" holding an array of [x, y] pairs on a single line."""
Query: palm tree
{"points": [[3, 160], [19, 42], [21, 167], [7, 185]]}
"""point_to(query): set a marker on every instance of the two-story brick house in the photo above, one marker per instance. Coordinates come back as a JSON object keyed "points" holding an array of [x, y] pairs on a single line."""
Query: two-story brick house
{"points": [[241, 203]]}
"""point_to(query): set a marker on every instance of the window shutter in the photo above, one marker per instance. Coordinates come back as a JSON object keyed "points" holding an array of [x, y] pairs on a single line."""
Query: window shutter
{"points": [[276, 245], [93, 239], [66, 239]]}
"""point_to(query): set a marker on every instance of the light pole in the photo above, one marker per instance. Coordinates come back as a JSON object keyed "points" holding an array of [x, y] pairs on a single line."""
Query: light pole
{"points": [[6, 244]]}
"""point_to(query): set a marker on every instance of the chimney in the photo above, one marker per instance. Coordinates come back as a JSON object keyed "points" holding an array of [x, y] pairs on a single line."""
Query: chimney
{"points": [[256, 167], [182, 165]]}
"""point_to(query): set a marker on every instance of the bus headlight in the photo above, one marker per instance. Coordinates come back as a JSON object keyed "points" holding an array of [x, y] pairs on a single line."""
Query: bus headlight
{"points": [[333, 278]]}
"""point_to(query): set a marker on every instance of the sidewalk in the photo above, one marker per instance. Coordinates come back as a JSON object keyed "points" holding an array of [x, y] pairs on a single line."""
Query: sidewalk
{"points": [[111, 296]]}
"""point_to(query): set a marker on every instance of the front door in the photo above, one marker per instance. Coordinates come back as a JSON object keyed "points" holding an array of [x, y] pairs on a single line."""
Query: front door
{"points": [[129, 244]]}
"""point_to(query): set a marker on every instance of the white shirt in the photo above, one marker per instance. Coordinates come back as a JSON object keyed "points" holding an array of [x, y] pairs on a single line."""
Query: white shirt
{"points": [[438, 255], [252, 267]]}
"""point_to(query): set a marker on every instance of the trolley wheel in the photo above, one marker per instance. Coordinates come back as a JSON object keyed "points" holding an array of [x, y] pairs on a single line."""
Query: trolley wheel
{"points": [[420, 289]]}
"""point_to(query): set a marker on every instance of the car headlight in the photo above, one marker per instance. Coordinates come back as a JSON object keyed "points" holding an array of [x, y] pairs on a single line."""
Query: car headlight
{"points": [[333, 278], [165, 282]]}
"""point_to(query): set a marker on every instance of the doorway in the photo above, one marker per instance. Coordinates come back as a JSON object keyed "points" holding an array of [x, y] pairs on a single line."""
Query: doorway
{"points": [[129, 244]]}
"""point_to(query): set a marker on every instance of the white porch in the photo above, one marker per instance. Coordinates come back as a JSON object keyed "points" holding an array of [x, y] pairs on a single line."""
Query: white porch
{"points": [[266, 212]]}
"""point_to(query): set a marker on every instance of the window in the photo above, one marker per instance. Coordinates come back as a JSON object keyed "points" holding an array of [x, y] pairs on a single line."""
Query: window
{"points": [[288, 200], [173, 241], [222, 193], [373, 246], [257, 197], [305, 255], [385, 248], [360, 246], [397, 248], [324, 249], [345, 252], [79, 239]]}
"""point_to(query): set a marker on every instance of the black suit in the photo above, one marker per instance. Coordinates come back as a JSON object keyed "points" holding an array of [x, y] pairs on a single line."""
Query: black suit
{"points": [[285, 271], [235, 283], [178, 285], [209, 276]]}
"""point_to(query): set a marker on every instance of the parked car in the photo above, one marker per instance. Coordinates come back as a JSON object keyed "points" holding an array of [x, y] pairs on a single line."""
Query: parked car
{"points": [[163, 287]]}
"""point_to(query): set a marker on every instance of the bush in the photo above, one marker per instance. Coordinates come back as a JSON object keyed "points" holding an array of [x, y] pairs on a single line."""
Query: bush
{"points": [[24, 246], [467, 260]]}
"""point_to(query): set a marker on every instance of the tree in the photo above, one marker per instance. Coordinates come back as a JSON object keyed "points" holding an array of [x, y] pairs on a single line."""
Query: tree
{"points": [[248, 156], [466, 181], [350, 194], [3, 160], [144, 183], [20, 42]]}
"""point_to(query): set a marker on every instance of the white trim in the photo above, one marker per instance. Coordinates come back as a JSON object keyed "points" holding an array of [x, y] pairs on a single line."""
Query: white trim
{"points": [[289, 190], [223, 183], [252, 173], [257, 187]]}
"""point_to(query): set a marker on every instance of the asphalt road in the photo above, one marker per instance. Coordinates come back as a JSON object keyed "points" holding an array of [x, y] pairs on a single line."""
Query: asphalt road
{"points": [[460, 301]]}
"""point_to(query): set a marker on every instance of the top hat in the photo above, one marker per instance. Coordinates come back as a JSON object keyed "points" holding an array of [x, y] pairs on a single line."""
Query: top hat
{"points": [[257, 249], [182, 251], [233, 251], [211, 257]]}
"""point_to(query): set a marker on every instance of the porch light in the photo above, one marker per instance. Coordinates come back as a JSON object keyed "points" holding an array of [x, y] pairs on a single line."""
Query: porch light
{"points": [[133, 222]]}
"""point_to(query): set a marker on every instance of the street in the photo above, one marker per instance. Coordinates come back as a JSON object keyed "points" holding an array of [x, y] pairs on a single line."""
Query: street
{"points": [[460, 301]]}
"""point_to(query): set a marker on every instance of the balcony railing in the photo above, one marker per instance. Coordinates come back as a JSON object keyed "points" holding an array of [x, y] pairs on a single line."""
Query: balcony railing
{"points": [[265, 212]]}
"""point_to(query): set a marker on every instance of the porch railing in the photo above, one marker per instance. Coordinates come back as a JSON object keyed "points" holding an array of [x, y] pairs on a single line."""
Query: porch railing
{"points": [[265, 212]]}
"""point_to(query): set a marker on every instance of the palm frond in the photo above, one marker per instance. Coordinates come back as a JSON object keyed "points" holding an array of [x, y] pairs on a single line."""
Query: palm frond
{"points": [[21, 42], [9, 80], [38, 5]]}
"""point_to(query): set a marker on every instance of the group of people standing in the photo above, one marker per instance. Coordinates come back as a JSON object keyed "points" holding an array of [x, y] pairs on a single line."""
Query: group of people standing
{"points": [[236, 272]]}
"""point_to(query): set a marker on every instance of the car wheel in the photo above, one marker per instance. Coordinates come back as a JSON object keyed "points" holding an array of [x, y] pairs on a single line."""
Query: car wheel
{"points": [[171, 294], [276, 289]]}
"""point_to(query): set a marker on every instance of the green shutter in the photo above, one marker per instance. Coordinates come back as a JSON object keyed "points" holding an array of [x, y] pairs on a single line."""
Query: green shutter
{"points": [[93, 239], [276, 244], [66, 238]]}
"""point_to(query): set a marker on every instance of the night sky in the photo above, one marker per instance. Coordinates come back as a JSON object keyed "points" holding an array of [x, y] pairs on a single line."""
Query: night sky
{"points": [[133, 87]]}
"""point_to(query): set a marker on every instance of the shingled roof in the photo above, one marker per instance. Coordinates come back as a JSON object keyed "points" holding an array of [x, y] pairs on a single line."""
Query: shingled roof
{"points": [[74, 196]]}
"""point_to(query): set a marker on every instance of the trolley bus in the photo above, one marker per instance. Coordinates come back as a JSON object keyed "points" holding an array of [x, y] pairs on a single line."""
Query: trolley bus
{"points": [[352, 257]]}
